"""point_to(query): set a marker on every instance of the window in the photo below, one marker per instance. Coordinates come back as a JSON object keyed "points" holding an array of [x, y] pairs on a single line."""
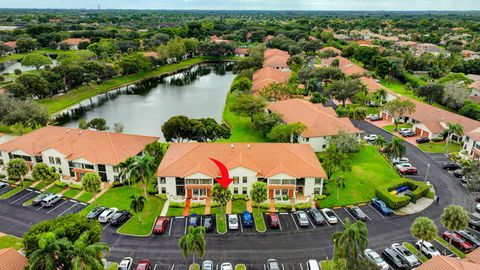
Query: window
{"points": [[244, 179], [235, 190], [101, 167], [324, 146], [162, 180], [316, 191], [163, 190], [57, 161], [51, 160], [38, 159], [244, 191], [275, 181], [288, 181], [60, 170], [89, 167], [205, 181], [318, 181], [235, 180], [307, 139]]}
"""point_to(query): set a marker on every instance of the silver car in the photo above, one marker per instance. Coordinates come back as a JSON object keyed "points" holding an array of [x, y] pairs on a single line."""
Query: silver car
{"points": [[406, 254], [302, 219], [226, 266], [207, 265], [107, 215], [376, 259], [427, 248]]}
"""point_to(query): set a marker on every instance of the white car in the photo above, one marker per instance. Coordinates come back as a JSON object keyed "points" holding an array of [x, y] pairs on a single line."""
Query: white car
{"points": [[477, 207], [329, 215], [313, 265], [404, 165], [376, 259], [233, 222], [400, 160], [107, 215], [403, 130], [370, 138], [125, 264], [51, 200], [427, 248], [226, 266], [406, 254]]}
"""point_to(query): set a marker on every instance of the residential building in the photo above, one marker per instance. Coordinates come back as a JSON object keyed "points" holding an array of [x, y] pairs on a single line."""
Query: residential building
{"points": [[373, 86], [346, 66], [331, 49], [11, 259], [276, 59], [429, 48], [322, 122], [74, 152], [12, 45], [470, 262], [266, 76], [74, 42], [242, 52], [186, 171], [219, 40]]}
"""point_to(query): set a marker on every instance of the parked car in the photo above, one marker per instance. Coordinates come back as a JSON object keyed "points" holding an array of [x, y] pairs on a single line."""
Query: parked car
{"points": [[394, 259], [3, 185], [313, 265], [95, 212], [409, 133], [477, 207], [120, 217], [51, 200], [273, 221], [406, 168], [450, 166], [226, 266], [370, 138], [457, 241], [406, 254], [474, 224], [427, 248], [403, 130], [193, 220], [381, 207], [38, 199], [125, 264], [161, 225], [316, 216], [357, 213], [458, 173], [144, 264], [375, 117], [469, 237], [302, 219], [247, 219], [207, 265], [422, 140], [233, 222], [329, 215], [468, 178], [272, 264], [400, 160], [209, 223], [376, 259], [107, 215]]}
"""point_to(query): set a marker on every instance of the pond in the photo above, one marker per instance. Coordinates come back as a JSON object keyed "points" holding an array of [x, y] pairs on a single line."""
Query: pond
{"points": [[10, 66], [197, 92]]}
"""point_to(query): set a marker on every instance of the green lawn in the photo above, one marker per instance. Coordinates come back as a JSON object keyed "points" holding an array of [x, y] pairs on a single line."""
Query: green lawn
{"points": [[175, 212], [369, 170], [71, 193], [12, 192], [259, 220], [17, 56], [415, 251], [439, 147], [76, 95], [242, 128], [85, 197], [327, 265], [8, 241], [390, 128], [153, 208], [221, 223], [54, 189], [452, 248], [238, 206], [198, 210], [118, 197]]}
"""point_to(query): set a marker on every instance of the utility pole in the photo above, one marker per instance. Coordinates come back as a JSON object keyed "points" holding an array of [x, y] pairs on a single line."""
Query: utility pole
{"points": [[428, 169]]}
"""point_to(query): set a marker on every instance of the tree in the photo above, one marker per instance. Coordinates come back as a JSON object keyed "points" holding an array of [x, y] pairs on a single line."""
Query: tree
{"points": [[241, 85], [25, 44], [118, 127], [82, 123], [286, 132], [280, 91], [193, 243], [424, 229], [41, 172], [318, 98], [259, 193], [398, 108], [345, 142], [454, 218], [36, 60], [452, 129], [432, 92], [176, 129], [179, 128], [34, 84], [264, 122], [350, 243], [380, 141], [471, 171], [98, 124], [86, 255], [156, 150], [339, 183], [454, 95], [221, 196], [143, 168], [357, 113], [137, 204], [396, 149], [91, 182], [52, 253], [334, 160], [247, 105], [134, 63], [17, 168], [344, 90]]}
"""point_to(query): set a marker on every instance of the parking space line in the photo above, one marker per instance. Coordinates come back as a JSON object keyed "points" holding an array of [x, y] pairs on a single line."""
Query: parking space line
{"points": [[106, 226], [186, 222], [280, 224], [376, 211], [294, 222], [155, 267], [67, 209], [22, 197], [241, 223], [264, 267], [170, 230], [41, 206], [301, 266], [283, 267], [309, 220], [350, 214], [338, 218], [36, 191], [57, 207], [173, 266]]}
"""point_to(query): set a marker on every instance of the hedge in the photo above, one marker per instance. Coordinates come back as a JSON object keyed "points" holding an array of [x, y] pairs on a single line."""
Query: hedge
{"points": [[196, 205], [419, 189], [177, 205], [243, 197], [76, 186], [60, 184], [303, 206]]}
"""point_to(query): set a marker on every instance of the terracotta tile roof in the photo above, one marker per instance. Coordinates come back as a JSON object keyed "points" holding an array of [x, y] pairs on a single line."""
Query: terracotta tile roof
{"points": [[332, 49], [241, 51], [267, 38], [266, 76], [275, 58], [151, 54], [364, 42], [267, 159], [75, 41], [98, 147], [217, 40], [475, 85], [474, 77], [406, 43], [473, 256], [346, 66], [320, 121], [472, 98], [11, 259], [371, 84], [448, 263], [11, 44]]}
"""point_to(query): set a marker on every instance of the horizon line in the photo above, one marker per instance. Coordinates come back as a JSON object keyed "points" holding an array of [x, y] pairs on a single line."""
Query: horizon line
{"points": [[291, 10]]}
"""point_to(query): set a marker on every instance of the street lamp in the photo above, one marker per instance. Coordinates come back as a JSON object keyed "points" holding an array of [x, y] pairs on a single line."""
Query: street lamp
{"points": [[428, 169]]}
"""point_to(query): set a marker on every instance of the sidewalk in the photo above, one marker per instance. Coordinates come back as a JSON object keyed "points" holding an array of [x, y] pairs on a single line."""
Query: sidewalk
{"points": [[165, 209], [249, 206], [105, 188], [272, 205], [79, 194], [418, 207], [186, 211], [208, 206], [228, 209]]}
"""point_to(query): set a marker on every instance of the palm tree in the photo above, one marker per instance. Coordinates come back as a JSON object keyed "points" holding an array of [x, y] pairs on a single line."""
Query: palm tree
{"points": [[17, 168], [41, 172], [193, 243], [91, 182], [137, 204], [396, 149], [340, 183], [143, 167], [380, 141], [52, 253], [452, 129], [125, 170], [424, 229], [357, 113], [87, 256], [259, 193], [454, 218], [351, 242]]}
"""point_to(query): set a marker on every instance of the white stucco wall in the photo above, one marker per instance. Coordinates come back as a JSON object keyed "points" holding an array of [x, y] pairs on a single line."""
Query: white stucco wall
{"points": [[55, 154], [317, 143], [242, 172]]}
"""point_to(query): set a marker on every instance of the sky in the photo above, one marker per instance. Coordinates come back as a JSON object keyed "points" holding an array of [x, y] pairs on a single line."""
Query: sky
{"points": [[368, 5]]}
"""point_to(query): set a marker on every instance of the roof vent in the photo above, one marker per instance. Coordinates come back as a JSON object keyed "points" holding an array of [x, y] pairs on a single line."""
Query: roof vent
{"points": [[68, 130], [80, 132], [248, 146], [232, 146]]}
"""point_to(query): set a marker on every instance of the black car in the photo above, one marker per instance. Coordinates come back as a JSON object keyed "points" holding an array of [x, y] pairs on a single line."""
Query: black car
{"points": [[357, 213], [409, 133], [394, 259], [316, 216], [422, 140], [469, 237], [120, 217], [208, 223], [194, 220], [458, 173], [450, 166], [96, 212], [474, 224]]}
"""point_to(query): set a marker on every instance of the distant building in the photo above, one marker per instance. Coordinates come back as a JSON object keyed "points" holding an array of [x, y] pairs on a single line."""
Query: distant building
{"points": [[263, 77], [11, 259], [276, 59], [74, 42], [219, 40], [331, 49], [242, 52], [346, 66]]}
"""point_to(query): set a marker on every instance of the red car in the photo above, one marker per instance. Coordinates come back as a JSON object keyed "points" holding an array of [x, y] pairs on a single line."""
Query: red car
{"points": [[406, 168], [161, 225], [457, 241], [273, 221], [144, 264]]}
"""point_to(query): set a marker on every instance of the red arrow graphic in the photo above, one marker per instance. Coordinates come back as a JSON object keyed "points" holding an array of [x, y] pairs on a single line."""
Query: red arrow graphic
{"points": [[224, 180]]}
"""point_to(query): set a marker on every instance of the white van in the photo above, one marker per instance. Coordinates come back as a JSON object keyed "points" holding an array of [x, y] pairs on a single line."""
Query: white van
{"points": [[51, 200], [312, 265]]}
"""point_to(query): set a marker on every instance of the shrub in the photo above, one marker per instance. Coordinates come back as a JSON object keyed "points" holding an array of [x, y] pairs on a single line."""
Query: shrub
{"points": [[76, 186], [117, 184], [177, 205], [243, 197], [436, 139], [2, 176], [419, 189], [194, 267], [152, 190], [283, 207], [60, 184], [196, 205], [29, 179], [240, 267], [430, 194], [162, 197], [303, 206], [265, 206]]}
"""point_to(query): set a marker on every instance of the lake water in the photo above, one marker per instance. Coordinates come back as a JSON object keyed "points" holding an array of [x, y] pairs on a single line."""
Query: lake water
{"points": [[197, 92], [9, 67]]}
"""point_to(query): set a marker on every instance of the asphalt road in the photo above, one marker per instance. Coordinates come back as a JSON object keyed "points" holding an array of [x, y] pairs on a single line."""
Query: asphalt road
{"points": [[291, 246]]}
